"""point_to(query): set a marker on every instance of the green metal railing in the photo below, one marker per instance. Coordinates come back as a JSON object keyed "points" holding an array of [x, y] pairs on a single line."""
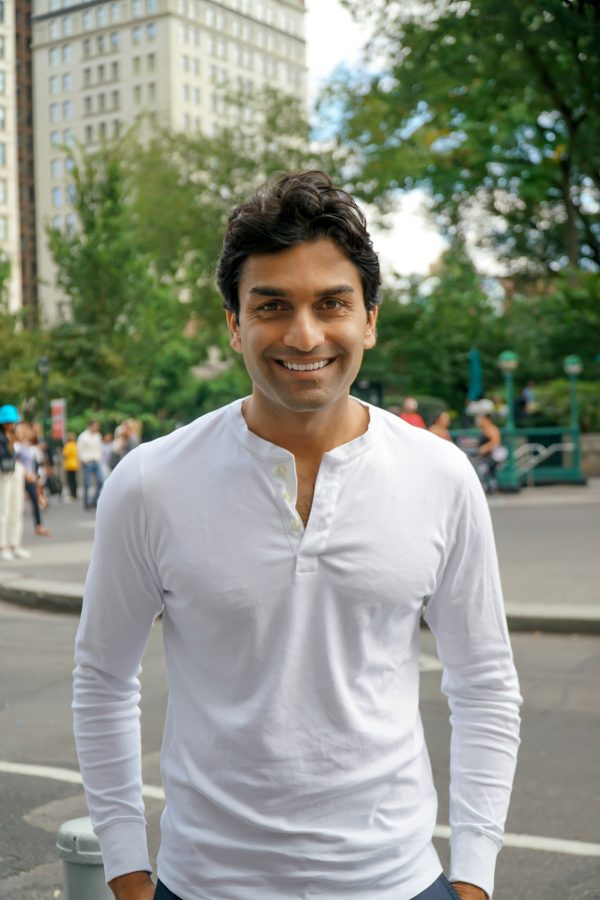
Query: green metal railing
{"points": [[535, 456]]}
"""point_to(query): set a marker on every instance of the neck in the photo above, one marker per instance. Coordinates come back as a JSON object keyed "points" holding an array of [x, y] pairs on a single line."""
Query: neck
{"points": [[308, 435]]}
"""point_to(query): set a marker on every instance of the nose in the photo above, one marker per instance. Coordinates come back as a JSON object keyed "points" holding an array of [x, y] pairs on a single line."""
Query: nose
{"points": [[304, 332]]}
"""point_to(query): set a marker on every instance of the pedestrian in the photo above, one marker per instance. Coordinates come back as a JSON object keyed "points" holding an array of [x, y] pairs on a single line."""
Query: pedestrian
{"points": [[71, 464], [12, 480], [291, 541], [89, 450], [410, 413], [29, 454], [441, 425]]}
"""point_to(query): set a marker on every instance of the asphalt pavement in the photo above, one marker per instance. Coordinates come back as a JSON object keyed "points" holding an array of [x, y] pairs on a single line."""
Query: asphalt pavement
{"points": [[547, 540]]}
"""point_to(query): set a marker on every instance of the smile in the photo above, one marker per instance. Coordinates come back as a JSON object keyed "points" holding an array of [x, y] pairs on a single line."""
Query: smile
{"points": [[304, 367]]}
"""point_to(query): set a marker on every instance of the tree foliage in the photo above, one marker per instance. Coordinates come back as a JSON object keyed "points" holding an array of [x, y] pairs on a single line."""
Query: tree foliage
{"points": [[492, 106]]}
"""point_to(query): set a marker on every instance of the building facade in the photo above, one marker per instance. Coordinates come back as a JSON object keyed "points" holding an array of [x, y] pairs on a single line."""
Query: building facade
{"points": [[10, 228], [101, 65]]}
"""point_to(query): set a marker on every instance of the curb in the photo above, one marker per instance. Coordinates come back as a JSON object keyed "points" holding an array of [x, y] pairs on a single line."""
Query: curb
{"points": [[36, 593]]}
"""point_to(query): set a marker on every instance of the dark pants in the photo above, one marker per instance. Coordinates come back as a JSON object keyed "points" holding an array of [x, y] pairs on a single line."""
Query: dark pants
{"points": [[439, 890], [72, 482], [31, 489]]}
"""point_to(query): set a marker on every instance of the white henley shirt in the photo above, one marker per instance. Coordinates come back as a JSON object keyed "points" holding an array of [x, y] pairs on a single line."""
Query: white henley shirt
{"points": [[293, 761]]}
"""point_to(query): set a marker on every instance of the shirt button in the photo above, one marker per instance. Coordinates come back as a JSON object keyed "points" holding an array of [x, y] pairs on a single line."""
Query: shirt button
{"points": [[287, 496], [296, 526], [281, 471]]}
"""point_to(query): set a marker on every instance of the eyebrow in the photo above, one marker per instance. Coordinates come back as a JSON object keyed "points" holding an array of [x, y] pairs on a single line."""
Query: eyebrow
{"points": [[269, 291]]}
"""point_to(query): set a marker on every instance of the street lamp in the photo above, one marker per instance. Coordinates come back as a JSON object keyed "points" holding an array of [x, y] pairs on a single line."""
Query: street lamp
{"points": [[508, 362], [573, 367], [43, 366]]}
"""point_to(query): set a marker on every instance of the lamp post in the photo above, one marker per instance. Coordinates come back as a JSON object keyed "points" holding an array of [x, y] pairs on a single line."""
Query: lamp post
{"points": [[43, 365], [508, 362], [573, 367]]}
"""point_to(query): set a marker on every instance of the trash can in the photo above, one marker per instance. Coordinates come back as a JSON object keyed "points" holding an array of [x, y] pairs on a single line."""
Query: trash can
{"points": [[79, 849]]}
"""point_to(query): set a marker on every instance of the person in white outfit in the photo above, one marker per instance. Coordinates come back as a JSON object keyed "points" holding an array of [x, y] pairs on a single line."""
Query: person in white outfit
{"points": [[89, 450], [12, 488], [292, 542]]}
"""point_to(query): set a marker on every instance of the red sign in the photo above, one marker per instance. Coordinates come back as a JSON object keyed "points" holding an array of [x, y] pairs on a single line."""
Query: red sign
{"points": [[58, 413]]}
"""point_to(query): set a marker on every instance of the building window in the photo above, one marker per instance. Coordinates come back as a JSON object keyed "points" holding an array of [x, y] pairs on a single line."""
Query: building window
{"points": [[2, 191], [56, 197], [3, 228], [57, 221], [115, 12], [87, 19], [68, 137], [186, 93], [151, 62], [116, 128], [102, 131], [136, 34], [196, 67], [56, 168], [150, 7], [71, 194], [101, 102], [55, 138], [87, 105], [115, 99], [67, 53], [100, 43], [89, 134], [67, 82], [136, 7], [53, 56], [197, 96], [67, 26], [55, 112], [136, 65], [55, 29], [69, 164], [151, 31], [87, 46], [68, 109], [151, 91], [2, 154], [101, 72], [101, 17], [137, 94], [114, 40], [54, 84], [87, 77], [114, 71], [71, 223]]}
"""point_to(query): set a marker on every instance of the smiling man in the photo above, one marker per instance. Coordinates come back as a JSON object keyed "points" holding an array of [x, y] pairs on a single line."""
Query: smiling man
{"points": [[292, 542]]}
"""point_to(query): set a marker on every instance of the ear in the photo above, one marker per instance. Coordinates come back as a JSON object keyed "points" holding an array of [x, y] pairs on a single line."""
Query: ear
{"points": [[371, 330], [234, 330]]}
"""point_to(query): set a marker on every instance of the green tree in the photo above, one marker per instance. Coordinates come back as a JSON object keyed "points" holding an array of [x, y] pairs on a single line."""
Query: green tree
{"points": [[124, 346], [492, 106]]}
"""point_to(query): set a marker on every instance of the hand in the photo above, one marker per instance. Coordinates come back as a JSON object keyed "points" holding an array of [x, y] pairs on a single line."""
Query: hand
{"points": [[133, 886], [469, 891]]}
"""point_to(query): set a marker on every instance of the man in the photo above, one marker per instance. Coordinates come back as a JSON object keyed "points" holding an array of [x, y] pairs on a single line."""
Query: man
{"points": [[89, 450], [291, 542], [410, 413]]}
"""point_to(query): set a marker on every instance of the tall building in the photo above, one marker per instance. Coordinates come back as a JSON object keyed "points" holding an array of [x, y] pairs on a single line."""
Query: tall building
{"points": [[24, 86], [10, 229], [99, 65]]}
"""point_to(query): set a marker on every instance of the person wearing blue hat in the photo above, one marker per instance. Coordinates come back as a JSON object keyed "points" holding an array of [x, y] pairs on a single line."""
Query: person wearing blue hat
{"points": [[11, 488]]}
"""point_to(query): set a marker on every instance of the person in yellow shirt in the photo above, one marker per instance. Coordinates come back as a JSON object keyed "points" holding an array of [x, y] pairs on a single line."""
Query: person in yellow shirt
{"points": [[71, 463]]}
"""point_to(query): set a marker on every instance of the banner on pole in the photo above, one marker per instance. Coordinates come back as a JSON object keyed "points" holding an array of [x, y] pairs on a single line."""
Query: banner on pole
{"points": [[58, 413]]}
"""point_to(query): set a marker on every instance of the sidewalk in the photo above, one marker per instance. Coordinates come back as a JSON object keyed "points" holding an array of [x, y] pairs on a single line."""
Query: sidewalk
{"points": [[546, 538]]}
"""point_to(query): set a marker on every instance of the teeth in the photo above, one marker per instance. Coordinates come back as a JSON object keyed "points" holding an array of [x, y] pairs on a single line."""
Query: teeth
{"points": [[309, 367]]}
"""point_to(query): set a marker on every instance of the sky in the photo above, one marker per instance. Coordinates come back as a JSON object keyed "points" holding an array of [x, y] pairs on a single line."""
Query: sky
{"points": [[410, 244]]}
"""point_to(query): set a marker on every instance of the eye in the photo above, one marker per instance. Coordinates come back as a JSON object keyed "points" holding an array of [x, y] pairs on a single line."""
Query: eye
{"points": [[270, 306], [331, 303]]}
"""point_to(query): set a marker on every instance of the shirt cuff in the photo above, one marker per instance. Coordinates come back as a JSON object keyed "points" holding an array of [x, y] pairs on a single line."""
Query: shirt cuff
{"points": [[473, 859], [124, 848]]}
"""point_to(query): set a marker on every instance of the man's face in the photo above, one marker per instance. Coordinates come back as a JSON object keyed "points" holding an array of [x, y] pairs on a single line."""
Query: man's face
{"points": [[303, 326]]}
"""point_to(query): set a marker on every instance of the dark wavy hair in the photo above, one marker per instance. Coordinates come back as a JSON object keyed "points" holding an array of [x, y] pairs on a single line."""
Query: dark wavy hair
{"points": [[289, 210]]}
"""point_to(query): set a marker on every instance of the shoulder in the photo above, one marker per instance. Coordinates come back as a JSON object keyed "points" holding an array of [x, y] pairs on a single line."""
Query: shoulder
{"points": [[418, 448]]}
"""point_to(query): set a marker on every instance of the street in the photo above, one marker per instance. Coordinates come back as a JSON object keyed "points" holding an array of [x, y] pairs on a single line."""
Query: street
{"points": [[555, 793]]}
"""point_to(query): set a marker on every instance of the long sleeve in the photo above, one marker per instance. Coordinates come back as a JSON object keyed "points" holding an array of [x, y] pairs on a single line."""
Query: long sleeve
{"points": [[466, 616], [122, 598]]}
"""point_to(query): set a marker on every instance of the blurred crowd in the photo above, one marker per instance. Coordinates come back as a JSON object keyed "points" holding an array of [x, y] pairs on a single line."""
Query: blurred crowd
{"points": [[33, 469]]}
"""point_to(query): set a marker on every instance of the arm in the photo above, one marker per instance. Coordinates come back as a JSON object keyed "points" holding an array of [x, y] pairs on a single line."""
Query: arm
{"points": [[133, 886], [466, 616], [122, 598]]}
